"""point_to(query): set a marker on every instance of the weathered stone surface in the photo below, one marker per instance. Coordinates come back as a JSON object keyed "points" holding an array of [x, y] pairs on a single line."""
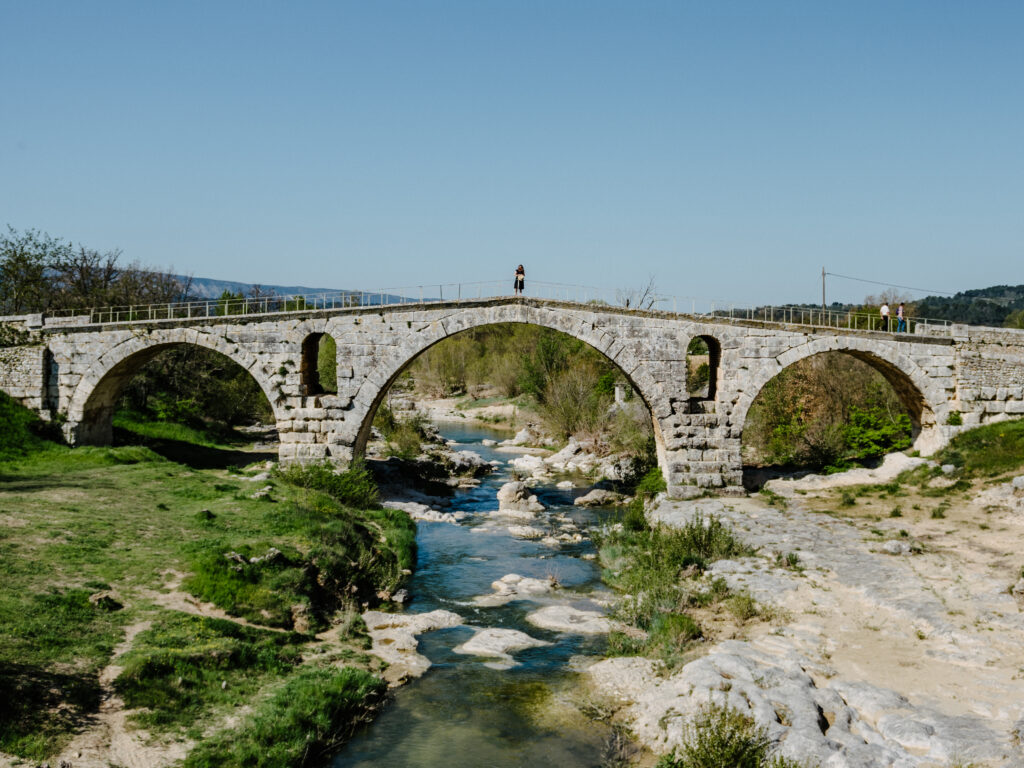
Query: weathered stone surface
{"points": [[516, 497], [565, 618], [498, 643], [599, 498], [394, 639]]}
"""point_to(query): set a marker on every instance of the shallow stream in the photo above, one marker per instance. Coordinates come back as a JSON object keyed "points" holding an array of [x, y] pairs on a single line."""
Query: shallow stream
{"points": [[464, 712]]}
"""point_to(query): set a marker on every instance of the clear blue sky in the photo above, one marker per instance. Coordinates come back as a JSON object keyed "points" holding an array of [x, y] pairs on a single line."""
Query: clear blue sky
{"points": [[731, 149]]}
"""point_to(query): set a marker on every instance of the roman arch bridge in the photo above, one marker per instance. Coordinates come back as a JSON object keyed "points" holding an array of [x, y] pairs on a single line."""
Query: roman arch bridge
{"points": [[74, 368]]}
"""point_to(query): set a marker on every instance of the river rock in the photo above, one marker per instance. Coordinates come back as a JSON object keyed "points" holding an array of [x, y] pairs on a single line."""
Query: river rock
{"points": [[896, 547], [516, 496], [565, 485], [512, 586], [1018, 483], [526, 532], [488, 442], [525, 436], [394, 639], [468, 463], [529, 465], [565, 618], [418, 511], [600, 498], [498, 643]]}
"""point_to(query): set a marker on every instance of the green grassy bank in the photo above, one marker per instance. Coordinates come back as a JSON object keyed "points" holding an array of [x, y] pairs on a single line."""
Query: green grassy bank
{"points": [[104, 554]]}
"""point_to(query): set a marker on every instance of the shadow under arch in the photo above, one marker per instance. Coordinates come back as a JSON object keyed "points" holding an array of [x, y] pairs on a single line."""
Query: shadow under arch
{"points": [[92, 406], [363, 435]]}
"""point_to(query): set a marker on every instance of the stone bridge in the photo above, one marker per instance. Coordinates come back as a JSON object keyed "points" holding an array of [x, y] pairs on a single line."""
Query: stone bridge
{"points": [[75, 370]]}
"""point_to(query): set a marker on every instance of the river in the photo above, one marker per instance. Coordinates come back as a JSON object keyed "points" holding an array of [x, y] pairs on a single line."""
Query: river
{"points": [[463, 711]]}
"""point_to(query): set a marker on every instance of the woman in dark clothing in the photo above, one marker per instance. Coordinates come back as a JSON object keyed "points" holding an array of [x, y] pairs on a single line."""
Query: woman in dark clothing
{"points": [[520, 280]]}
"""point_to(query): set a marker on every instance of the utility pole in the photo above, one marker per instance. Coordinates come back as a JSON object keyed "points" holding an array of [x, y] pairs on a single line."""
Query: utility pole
{"points": [[822, 291]]}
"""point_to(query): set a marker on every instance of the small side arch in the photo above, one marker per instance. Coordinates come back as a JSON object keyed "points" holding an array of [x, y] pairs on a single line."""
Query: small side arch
{"points": [[318, 368], [703, 361]]}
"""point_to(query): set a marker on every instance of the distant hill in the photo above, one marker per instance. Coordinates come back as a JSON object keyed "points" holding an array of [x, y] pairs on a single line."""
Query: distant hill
{"points": [[208, 288], [982, 306]]}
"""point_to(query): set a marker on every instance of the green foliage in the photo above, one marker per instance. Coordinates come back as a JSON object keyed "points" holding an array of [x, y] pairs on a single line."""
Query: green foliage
{"points": [[327, 364], [300, 725], [828, 412], [354, 487], [352, 553], [404, 435], [872, 432], [197, 387], [955, 419], [718, 737], [12, 336], [20, 429], [986, 451], [185, 664], [655, 567], [1015, 319]]}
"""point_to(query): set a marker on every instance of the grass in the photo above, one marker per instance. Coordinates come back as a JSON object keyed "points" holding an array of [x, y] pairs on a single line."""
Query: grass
{"points": [[74, 522], [720, 736], [987, 451], [301, 724], [659, 571]]}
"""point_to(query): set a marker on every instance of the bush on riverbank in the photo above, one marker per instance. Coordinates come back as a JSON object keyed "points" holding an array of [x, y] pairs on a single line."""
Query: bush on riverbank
{"points": [[720, 736], [350, 553], [658, 569], [21, 431]]}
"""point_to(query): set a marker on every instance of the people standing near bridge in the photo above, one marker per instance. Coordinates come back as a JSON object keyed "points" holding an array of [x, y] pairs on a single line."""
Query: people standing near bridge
{"points": [[519, 281], [901, 319], [884, 311]]}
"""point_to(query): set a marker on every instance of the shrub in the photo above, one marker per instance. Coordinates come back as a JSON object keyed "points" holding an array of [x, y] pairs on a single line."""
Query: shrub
{"points": [[954, 419], [718, 737], [354, 487], [987, 451]]}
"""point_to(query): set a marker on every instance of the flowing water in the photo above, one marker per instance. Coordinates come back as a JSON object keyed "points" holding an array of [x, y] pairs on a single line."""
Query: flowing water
{"points": [[463, 712]]}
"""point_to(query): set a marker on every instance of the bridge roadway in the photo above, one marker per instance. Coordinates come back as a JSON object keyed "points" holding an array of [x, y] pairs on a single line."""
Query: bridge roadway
{"points": [[74, 369]]}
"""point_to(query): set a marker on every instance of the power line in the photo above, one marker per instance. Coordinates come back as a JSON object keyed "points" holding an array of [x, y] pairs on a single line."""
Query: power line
{"points": [[890, 285]]}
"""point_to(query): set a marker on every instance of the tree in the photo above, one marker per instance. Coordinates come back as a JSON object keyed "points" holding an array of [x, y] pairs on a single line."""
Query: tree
{"points": [[24, 259]]}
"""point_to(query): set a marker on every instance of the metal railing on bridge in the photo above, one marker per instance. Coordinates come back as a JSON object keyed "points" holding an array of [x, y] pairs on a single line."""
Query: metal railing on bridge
{"points": [[620, 299]]}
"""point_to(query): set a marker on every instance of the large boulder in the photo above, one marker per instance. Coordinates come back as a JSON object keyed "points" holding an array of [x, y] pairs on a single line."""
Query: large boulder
{"points": [[516, 497]]}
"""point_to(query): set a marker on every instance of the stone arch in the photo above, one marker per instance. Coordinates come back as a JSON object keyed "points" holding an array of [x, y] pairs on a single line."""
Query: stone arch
{"points": [[579, 325], [311, 379], [925, 401], [714, 362], [94, 399]]}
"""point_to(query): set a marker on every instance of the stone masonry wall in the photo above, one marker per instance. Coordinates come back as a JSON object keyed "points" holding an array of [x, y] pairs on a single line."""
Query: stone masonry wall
{"points": [[979, 372]]}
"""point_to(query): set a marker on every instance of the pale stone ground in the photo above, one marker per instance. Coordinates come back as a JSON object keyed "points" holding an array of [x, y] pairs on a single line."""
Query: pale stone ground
{"points": [[880, 659]]}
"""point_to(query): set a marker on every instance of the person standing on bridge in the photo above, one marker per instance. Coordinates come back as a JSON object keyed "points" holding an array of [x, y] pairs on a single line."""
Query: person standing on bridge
{"points": [[519, 281], [901, 319], [884, 311]]}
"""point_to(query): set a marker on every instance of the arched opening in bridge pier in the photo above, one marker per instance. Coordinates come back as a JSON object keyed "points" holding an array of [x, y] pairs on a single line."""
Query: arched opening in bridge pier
{"points": [[319, 367], [510, 375], [186, 401], [830, 411], [703, 355]]}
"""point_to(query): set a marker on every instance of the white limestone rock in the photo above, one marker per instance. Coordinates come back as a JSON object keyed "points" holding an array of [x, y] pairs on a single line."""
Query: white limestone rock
{"points": [[512, 586], [515, 496], [498, 643], [565, 618], [394, 639]]}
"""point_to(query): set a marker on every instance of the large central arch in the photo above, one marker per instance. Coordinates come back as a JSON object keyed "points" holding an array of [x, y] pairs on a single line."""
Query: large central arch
{"points": [[92, 405], [387, 369]]}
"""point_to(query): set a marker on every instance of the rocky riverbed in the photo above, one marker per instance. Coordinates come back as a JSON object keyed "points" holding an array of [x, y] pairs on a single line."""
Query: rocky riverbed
{"points": [[901, 642]]}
